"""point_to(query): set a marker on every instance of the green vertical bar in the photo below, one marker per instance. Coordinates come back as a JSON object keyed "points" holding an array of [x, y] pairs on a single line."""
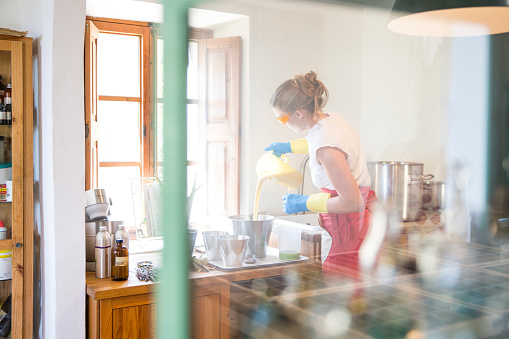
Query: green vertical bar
{"points": [[173, 292]]}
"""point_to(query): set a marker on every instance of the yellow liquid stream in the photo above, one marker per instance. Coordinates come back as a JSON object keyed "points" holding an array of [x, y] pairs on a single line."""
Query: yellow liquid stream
{"points": [[257, 196]]}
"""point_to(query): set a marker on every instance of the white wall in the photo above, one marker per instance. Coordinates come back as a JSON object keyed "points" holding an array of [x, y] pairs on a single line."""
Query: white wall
{"points": [[389, 86], [59, 258]]}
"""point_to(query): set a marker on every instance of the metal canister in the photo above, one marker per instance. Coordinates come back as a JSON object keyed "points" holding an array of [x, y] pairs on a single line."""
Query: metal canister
{"points": [[102, 253], [398, 185], [433, 196]]}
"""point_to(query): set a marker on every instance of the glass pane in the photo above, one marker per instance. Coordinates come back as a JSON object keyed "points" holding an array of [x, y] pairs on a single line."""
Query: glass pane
{"points": [[159, 139], [193, 140], [118, 65], [199, 203], [117, 183], [192, 71], [160, 68], [119, 131]]}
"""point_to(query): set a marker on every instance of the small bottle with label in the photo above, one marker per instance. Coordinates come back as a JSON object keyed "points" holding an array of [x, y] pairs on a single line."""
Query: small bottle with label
{"points": [[3, 230], [3, 116], [8, 105], [119, 261], [2, 89]]}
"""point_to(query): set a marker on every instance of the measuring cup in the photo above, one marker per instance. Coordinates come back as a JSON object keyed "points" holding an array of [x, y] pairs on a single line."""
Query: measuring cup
{"points": [[289, 243], [278, 170]]}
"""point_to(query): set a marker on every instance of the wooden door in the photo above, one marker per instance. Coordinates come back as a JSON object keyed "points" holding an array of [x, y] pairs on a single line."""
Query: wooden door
{"points": [[219, 63], [91, 158], [14, 51], [16, 69], [131, 317], [135, 322], [210, 307]]}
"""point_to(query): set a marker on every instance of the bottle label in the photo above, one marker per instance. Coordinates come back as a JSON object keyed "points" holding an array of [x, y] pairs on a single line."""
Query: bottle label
{"points": [[121, 261], [7, 100]]}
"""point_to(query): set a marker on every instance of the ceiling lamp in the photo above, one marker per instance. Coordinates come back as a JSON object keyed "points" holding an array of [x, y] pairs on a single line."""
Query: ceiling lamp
{"points": [[449, 18]]}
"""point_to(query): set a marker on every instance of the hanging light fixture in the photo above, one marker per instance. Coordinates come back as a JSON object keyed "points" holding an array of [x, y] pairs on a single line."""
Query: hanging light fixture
{"points": [[449, 18]]}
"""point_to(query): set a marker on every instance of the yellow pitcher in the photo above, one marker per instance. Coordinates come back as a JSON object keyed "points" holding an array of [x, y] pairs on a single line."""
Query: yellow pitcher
{"points": [[277, 170]]}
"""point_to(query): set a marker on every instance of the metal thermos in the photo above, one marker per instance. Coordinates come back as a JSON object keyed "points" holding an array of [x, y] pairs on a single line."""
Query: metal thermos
{"points": [[102, 253], [121, 233]]}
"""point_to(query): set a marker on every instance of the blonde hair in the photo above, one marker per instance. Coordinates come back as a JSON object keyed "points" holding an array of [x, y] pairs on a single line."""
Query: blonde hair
{"points": [[302, 91]]}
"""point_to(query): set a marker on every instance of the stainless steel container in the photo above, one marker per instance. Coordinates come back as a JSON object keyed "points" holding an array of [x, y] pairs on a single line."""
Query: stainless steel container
{"points": [[234, 249], [96, 196], [192, 240], [91, 230], [398, 185], [212, 244], [103, 253], [259, 232], [433, 195]]}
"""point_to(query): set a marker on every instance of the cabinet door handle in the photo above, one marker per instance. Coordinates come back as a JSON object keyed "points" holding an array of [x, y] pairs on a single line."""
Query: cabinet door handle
{"points": [[18, 245]]}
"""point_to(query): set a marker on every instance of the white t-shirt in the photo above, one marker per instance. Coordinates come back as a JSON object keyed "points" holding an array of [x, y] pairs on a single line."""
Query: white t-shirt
{"points": [[336, 131]]}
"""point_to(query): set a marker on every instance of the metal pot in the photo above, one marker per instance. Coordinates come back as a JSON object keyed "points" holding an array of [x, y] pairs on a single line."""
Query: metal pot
{"points": [[399, 186], [259, 232], [433, 196]]}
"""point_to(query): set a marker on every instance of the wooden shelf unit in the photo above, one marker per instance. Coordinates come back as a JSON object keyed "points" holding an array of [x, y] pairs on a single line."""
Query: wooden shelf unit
{"points": [[16, 69]]}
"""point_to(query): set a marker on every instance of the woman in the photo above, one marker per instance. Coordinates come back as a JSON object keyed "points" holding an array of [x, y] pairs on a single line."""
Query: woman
{"points": [[337, 166]]}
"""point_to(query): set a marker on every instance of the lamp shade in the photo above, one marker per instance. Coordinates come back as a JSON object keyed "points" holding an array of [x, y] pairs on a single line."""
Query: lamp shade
{"points": [[449, 18]]}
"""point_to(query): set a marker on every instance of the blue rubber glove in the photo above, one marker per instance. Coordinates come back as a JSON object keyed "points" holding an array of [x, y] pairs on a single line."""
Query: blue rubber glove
{"points": [[294, 203], [279, 148]]}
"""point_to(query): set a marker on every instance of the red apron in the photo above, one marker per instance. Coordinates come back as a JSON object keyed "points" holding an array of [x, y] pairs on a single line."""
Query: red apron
{"points": [[348, 232]]}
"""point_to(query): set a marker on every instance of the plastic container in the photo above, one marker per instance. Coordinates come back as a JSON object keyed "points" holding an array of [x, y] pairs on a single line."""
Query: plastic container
{"points": [[3, 230], [278, 170], [289, 243], [5, 264], [5, 172]]}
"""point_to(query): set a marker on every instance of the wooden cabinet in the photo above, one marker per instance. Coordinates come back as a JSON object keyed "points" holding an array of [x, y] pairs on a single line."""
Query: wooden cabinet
{"points": [[128, 317], [113, 312], [211, 311], [16, 69], [126, 309]]}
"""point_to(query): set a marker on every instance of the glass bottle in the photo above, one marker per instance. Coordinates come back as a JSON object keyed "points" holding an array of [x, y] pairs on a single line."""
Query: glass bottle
{"points": [[3, 115], [121, 233], [2, 89], [8, 105], [2, 148], [119, 261]]}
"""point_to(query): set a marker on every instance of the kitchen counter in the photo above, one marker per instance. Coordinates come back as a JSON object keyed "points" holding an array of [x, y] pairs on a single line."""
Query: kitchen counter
{"points": [[120, 309], [106, 288]]}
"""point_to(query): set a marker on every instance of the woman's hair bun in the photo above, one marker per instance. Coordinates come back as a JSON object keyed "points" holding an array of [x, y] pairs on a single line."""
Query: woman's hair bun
{"points": [[311, 77]]}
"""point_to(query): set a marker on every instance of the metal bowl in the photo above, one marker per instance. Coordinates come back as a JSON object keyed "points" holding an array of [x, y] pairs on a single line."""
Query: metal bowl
{"points": [[96, 196], [97, 212]]}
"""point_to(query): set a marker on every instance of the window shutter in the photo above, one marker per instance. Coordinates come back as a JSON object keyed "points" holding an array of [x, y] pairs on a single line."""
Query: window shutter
{"points": [[219, 62], [91, 159]]}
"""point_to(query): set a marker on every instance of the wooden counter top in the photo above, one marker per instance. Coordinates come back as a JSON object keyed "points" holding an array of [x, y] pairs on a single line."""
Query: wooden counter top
{"points": [[106, 288]]}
